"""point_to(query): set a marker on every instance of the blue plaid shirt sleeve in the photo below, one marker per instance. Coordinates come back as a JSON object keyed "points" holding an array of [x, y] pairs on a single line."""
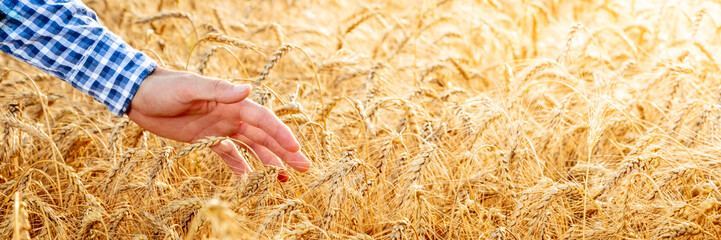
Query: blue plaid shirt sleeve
{"points": [[65, 39]]}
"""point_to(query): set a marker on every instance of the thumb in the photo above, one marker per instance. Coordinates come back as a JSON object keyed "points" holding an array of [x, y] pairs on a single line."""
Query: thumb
{"points": [[220, 90]]}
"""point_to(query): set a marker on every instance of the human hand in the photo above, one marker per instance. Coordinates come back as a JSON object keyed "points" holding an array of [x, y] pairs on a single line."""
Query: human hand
{"points": [[187, 107]]}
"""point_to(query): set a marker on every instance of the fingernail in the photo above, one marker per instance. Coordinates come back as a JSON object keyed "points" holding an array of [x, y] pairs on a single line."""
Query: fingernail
{"points": [[283, 176], [241, 88]]}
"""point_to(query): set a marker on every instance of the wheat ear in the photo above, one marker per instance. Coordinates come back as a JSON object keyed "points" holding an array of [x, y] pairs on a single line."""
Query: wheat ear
{"points": [[569, 41], [200, 144], [273, 60], [21, 225], [681, 229]]}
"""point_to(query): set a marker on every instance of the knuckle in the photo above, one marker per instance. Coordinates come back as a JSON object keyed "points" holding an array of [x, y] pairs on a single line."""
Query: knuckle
{"points": [[216, 84], [267, 141], [242, 128]]}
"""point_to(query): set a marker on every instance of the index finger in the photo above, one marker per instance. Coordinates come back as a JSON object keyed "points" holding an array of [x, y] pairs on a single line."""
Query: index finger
{"points": [[261, 117]]}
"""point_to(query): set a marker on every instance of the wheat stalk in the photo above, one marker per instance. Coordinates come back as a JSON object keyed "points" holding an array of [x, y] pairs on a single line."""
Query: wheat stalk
{"points": [[210, 28], [351, 75], [113, 141], [78, 186], [358, 22], [200, 144], [397, 230], [169, 14], [697, 18], [345, 166], [186, 209], [89, 224], [643, 163], [419, 164], [276, 28], [121, 213], [333, 64], [162, 162], [220, 38], [50, 216], [163, 15], [215, 37], [299, 229], [21, 225], [289, 108], [569, 41], [273, 60], [257, 183], [698, 126], [461, 70], [681, 229], [205, 58], [327, 221], [325, 112], [278, 212], [118, 168], [222, 219], [670, 176]]}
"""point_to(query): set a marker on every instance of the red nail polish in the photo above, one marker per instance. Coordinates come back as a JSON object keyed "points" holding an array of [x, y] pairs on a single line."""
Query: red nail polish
{"points": [[283, 176]]}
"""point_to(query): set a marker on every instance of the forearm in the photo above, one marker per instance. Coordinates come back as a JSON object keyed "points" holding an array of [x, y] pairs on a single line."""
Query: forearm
{"points": [[66, 40]]}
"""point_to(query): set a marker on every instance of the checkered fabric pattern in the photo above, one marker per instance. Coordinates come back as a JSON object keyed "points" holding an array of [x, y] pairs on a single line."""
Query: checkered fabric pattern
{"points": [[65, 39]]}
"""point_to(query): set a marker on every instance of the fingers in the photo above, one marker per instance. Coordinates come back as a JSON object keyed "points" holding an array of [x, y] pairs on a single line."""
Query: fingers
{"points": [[262, 118], [230, 155], [202, 88], [267, 157], [259, 136], [295, 160]]}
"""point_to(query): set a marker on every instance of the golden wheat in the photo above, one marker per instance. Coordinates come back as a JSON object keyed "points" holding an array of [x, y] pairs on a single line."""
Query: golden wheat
{"points": [[540, 120]]}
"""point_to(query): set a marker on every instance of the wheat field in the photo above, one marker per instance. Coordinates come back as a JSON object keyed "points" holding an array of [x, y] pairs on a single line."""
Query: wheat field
{"points": [[426, 119]]}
